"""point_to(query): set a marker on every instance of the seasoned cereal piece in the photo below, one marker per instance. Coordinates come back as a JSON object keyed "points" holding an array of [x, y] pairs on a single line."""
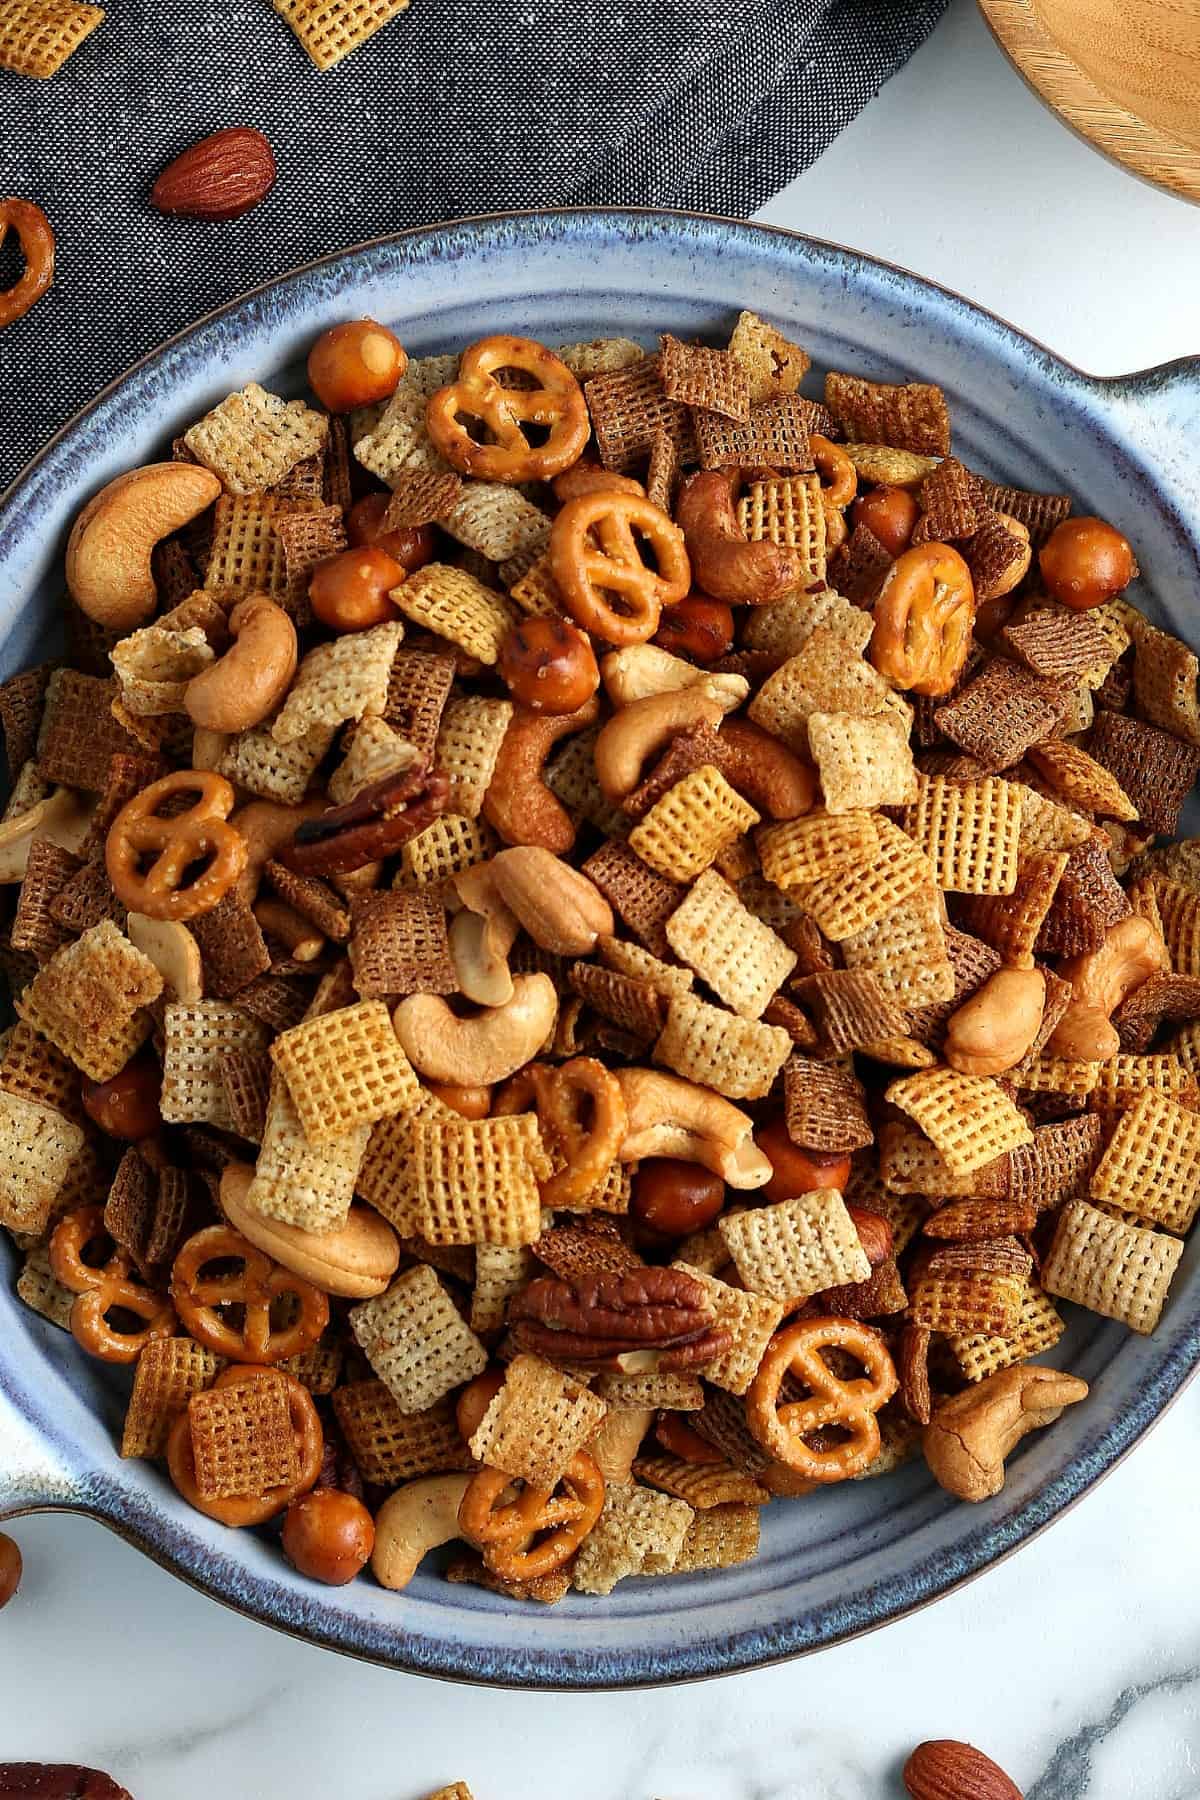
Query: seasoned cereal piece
{"points": [[796, 1248], [416, 1342], [1151, 1165], [639, 1532], [90, 1000], [969, 1118], [390, 1446], [536, 1423], [741, 959], [345, 1069], [970, 831], [1111, 1267], [253, 438]]}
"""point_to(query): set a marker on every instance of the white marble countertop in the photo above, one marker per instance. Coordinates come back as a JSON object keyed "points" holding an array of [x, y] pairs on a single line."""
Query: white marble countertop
{"points": [[1077, 1662]]}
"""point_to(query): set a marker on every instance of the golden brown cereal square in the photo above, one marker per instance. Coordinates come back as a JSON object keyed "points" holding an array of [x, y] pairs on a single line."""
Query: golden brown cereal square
{"points": [[302, 1183], [702, 377], [337, 681], [816, 846], [477, 1179], [751, 1320], [719, 1538], [788, 510], [969, 1118], [416, 1342], [33, 1069], [1151, 1164], [455, 605], [796, 1248], [330, 29], [738, 1057], [1111, 1267], [910, 416], [90, 1000], [972, 1287], [639, 1532], [970, 831], [253, 438], [257, 761], [38, 36], [820, 678], [693, 822], [1164, 682], [468, 743], [535, 1424], [1012, 923], [774, 365], [38, 1149], [1045, 825], [703, 1485], [40, 1289], [846, 903], [242, 1437], [860, 762], [390, 1446], [741, 959], [1038, 1327], [452, 843], [498, 522], [197, 1036], [344, 1069], [501, 1270], [1080, 780], [906, 949], [169, 1372]]}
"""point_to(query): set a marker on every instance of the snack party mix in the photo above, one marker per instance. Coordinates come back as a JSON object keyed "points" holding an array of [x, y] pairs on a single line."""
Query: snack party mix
{"points": [[590, 953]]}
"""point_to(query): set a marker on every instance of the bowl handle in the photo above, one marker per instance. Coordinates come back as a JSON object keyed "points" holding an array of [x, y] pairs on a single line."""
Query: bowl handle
{"points": [[1162, 406], [32, 1477]]}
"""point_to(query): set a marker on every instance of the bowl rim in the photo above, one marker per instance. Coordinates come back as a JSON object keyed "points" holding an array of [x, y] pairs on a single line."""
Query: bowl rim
{"points": [[446, 1659]]}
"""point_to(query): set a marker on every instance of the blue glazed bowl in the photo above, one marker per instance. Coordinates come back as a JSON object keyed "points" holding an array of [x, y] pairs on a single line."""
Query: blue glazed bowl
{"points": [[834, 1564]]}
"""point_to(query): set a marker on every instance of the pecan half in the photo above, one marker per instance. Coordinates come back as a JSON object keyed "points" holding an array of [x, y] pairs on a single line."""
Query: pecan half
{"points": [[59, 1781], [371, 826], [608, 1314]]}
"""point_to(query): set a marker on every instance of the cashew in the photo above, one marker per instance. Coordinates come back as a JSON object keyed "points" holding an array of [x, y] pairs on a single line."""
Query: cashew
{"points": [[518, 804], [64, 817], [478, 1051], [670, 1117], [298, 935], [108, 552], [1132, 951], [762, 769], [266, 826], [417, 1518], [250, 680], [970, 1435], [642, 670], [724, 562], [560, 909], [479, 947], [633, 735], [994, 1029], [173, 951], [618, 1441], [208, 747], [356, 1259]]}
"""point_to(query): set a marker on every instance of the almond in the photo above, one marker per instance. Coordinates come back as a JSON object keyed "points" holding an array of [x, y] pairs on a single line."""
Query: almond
{"points": [[219, 178], [943, 1769]]}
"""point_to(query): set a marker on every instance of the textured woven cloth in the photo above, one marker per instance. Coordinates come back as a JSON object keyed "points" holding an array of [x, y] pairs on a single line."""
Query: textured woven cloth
{"points": [[455, 107]]}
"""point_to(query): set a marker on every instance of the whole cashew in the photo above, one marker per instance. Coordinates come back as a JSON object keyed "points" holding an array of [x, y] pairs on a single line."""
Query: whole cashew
{"points": [[108, 552], [250, 680], [765, 772], [970, 1435], [670, 1117], [1132, 951], [632, 736], [618, 1441], [641, 670], [995, 1028], [476, 1052], [479, 947], [518, 804], [557, 905], [64, 817], [356, 1259], [724, 562], [417, 1518], [266, 826]]}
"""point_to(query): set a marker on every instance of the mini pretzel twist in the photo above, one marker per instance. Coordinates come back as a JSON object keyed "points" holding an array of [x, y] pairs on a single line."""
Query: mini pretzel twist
{"points": [[102, 1287], [555, 403], [199, 834], [256, 1286], [849, 1405], [504, 1530], [250, 1509], [607, 586], [590, 1144], [35, 235], [924, 617]]}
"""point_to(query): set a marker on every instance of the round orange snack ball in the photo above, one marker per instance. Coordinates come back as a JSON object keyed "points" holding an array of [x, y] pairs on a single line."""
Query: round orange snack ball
{"points": [[328, 1535], [411, 545], [549, 665], [355, 364], [1084, 562], [350, 591], [796, 1170]]}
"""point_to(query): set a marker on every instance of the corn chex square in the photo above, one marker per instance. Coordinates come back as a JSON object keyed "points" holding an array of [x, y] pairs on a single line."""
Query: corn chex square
{"points": [[1151, 1165], [468, 743], [750, 1319], [477, 1179], [38, 1147], [415, 1341], [816, 846], [345, 1068], [253, 438], [719, 1538], [456, 606], [820, 678], [970, 831], [639, 1532], [788, 510], [738, 1057], [1038, 1327], [1111, 1267], [846, 903], [302, 1183], [37, 36], [783, 628], [861, 762], [536, 1423], [968, 1118], [702, 1485], [740, 958], [90, 1000], [695, 820], [345, 679], [330, 29], [390, 1446], [797, 1247]]}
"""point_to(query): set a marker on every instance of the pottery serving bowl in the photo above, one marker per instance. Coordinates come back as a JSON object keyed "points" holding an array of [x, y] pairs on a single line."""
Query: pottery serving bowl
{"points": [[836, 1563]]}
